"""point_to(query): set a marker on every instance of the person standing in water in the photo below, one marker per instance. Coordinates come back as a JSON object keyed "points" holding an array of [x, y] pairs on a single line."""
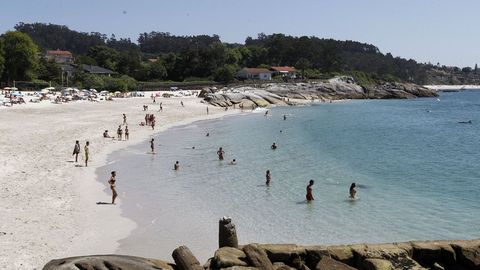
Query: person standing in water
{"points": [[220, 153], [152, 145], [309, 191], [76, 150], [112, 186], [268, 177], [284, 117], [127, 133], [176, 166], [87, 152], [266, 113], [353, 190], [207, 110], [274, 146]]}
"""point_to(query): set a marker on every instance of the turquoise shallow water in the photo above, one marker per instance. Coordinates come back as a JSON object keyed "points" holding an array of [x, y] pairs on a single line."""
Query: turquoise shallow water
{"points": [[417, 168]]}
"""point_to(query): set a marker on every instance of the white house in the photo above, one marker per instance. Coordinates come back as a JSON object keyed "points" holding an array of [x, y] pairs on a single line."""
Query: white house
{"points": [[254, 74]]}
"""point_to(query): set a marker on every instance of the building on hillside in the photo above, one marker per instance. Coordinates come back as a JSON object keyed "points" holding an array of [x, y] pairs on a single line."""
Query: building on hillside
{"points": [[68, 69], [96, 70], [286, 72], [59, 56], [254, 74]]}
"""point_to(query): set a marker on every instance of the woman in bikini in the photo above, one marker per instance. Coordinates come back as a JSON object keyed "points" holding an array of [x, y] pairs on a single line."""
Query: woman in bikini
{"points": [[112, 186]]}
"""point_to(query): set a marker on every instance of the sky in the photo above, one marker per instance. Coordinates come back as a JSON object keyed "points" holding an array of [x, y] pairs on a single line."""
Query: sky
{"points": [[424, 30]]}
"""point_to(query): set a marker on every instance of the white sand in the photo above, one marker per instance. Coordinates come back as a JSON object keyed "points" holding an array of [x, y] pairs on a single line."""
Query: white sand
{"points": [[47, 205]]}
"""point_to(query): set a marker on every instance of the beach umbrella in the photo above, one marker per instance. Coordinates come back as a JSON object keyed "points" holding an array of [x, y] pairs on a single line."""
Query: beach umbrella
{"points": [[44, 91], [7, 88], [14, 88], [93, 90]]}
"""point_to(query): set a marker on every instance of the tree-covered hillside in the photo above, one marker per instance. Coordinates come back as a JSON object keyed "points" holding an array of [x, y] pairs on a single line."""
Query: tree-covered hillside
{"points": [[160, 56]]}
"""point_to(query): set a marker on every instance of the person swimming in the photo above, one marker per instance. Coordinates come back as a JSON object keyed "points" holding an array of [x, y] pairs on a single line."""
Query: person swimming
{"points": [[353, 190], [176, 166], [208, 134], [268, 177], [465, 122], [220, 153], [233, 162], [112, 186], [274, 146], [309, 191]]}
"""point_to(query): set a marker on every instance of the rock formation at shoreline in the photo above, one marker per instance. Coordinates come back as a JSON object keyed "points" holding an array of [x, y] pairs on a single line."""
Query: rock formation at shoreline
{"points": [[448, 255], [334, 89]]}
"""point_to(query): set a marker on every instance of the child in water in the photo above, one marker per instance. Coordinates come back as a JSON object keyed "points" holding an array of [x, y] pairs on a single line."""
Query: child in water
{"points": [[309, 191], [268, 176], [176, 166], [353, 191]]}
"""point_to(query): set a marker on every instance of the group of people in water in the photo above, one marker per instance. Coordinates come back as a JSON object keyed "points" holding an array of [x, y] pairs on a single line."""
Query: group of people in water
{"points": [[150, 121]]}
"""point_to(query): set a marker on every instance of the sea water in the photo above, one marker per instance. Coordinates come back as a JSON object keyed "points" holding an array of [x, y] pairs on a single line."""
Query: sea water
{"points": [[417, 170]]}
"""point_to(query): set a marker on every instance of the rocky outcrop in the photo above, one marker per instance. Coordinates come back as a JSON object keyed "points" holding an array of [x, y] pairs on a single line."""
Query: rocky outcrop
{"points": [[334, 89], [416, 255], [107, 262]]}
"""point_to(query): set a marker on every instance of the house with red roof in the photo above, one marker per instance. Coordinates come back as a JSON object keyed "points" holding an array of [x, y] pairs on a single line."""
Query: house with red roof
{"points": [[59, 56], [254, 74], [288, 72]]}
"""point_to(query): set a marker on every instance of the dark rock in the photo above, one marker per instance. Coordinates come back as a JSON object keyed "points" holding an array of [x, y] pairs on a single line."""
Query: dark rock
{"points": [[468, 253], [185, 260], [397, 256], [110, 262], [257, 257], [377, 264], [342, 253], [327, 263], [428, 253], [228, 256], [282, 266], [283, 252], [227, 233]]}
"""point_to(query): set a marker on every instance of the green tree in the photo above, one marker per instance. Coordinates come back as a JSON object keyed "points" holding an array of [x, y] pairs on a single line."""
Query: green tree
{"points": [[157, 70], [104, 56], [224, 74], [2, 58], [303, 64], [21, 59], [48, 70]]}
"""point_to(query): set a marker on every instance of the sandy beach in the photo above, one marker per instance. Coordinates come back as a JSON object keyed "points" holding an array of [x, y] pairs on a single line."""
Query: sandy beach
{"points": [[47, 203]]}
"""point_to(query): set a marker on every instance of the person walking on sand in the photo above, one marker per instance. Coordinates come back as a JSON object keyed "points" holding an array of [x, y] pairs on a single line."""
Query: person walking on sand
{"points": [[153, 124], [268, 177], [207, 110], [112, 186], [309, 191], [124, 119], [119, 132], [127, 133], [76, 150], [87, 152], [353, 191], [152, 145], [274, 146], [220, 153], [176, 166], [181, 102]]}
